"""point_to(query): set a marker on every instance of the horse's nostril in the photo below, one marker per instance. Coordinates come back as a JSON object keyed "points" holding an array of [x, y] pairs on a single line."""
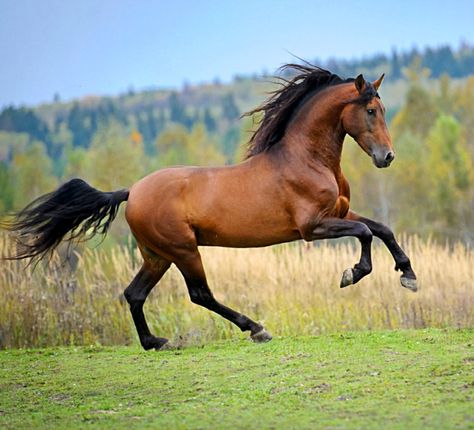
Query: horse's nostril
{"points": [[390, 156]]}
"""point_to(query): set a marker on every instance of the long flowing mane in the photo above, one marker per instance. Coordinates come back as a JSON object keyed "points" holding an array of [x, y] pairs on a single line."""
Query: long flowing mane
{"points": [[281, 105]]}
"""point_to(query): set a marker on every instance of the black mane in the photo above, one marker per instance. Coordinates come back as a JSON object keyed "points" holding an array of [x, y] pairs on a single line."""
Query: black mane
{"points": [[281, 105]]}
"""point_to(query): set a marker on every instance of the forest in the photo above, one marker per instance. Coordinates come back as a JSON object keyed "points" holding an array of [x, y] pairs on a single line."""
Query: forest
{"points": [[113, 141]]}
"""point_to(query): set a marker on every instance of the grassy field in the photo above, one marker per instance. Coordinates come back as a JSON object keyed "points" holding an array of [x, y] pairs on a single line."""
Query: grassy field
{"points": [[390, 379], [293, 289]]}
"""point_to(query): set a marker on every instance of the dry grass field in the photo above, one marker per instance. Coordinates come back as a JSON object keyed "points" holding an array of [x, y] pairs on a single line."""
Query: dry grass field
{"points": [[293, 289]]}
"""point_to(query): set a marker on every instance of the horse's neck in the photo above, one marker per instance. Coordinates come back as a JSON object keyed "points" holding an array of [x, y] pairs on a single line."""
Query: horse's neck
{"points": [[316, 133]]}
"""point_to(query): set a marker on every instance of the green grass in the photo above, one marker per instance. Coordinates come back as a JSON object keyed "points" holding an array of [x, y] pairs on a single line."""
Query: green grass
{"points": [[390, 379]]}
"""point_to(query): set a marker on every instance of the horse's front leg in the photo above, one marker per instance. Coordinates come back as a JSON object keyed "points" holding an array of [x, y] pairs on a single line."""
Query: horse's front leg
{"points": [[402, 262], [332, 228]]}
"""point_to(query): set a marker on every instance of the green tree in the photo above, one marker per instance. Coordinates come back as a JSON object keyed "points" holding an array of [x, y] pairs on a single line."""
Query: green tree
{"points": [[76, 124], [75, 164], [202, 148], [408, 178], [12, 143], [396, 71], [209, 120], [115, 159], [445, 98], [450, 174], [32, 173], [23, 120], [172, 145], [420, 109], [177, 109], [463, 106], [230, 111], [177, 146], [7, 193], [60, 140]]}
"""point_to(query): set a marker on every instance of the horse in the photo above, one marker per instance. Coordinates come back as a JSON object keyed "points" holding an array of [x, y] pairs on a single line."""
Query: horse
{"points": [[289, 187]]}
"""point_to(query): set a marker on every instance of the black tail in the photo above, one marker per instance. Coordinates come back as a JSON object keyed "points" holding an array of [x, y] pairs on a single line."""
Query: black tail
{"points": [[74, 211]]}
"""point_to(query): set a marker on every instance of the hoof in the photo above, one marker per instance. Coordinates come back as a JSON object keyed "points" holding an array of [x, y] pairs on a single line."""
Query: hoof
{"points": [[153, 342], [347, 278], [409, 283], [167, 346], [261, 336]]}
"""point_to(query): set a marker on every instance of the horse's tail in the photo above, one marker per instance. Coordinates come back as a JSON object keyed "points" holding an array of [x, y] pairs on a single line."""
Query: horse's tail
{"points": [[74, 211]]}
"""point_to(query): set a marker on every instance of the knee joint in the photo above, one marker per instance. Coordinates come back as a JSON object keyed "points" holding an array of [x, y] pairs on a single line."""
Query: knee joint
{"points": [[365, 234], [200, 297], [133, 299]]}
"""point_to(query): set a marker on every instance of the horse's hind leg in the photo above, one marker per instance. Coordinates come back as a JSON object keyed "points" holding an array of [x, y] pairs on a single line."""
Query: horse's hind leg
{"points": [[402, 262], [136, 294], [192, 269]]}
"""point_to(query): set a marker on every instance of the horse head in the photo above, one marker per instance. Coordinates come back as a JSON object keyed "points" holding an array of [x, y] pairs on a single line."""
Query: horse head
{"points": [[364, 120]]}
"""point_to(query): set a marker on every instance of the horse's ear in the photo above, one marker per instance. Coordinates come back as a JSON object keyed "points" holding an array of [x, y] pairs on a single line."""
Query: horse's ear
{"points": [[360, 83], [377, 83]]}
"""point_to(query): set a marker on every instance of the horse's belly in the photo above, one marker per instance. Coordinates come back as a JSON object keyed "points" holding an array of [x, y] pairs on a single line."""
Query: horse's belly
{"points": [[239, 237]]}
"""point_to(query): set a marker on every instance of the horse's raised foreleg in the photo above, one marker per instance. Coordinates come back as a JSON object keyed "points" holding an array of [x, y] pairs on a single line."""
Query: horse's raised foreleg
{"points": [[402, 262], [333, 228], [136, 294], [192, 269]]}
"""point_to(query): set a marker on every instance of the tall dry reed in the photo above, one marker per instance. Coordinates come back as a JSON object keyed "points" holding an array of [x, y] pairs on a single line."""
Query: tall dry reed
{"points": [[293, 289]]}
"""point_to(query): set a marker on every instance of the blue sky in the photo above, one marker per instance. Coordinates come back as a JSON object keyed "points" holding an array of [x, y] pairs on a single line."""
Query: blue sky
{"points": [[105, 46]]}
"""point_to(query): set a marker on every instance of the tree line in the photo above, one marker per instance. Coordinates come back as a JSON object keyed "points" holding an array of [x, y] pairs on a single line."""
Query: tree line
{"points": [[440, 60]]}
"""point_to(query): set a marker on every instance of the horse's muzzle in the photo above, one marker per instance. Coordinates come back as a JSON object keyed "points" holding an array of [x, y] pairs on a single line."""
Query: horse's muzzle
{"points": [[383, 159]]}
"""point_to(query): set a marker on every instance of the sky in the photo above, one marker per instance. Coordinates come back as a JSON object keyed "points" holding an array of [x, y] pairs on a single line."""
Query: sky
{"points": [[104, 47]]}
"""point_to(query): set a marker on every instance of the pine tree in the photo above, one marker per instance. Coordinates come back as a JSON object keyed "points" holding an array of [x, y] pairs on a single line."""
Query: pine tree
{"points": [[230, 110]]}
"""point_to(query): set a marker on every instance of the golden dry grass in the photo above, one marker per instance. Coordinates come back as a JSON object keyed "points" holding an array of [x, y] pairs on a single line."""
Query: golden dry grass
{"points": [[293, 289]]}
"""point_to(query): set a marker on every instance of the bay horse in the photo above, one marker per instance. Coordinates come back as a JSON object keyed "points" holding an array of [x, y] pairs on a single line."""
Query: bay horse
{"points": [[289, 187]]}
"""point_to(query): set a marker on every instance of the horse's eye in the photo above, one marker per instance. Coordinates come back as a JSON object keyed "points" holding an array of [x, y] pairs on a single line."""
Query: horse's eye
{"points": [[371, 112]]}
